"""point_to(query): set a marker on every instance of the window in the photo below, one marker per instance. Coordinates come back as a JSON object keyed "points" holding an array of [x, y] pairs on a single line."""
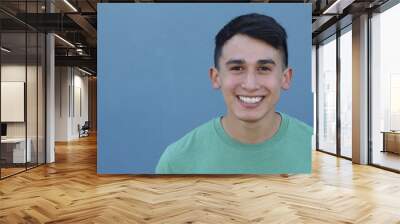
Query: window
{"points": [[385, 88], [346, 92], [327, 95]]}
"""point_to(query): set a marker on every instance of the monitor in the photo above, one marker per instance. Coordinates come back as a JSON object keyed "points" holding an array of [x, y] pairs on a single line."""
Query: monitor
{"points": [[3, 129]]}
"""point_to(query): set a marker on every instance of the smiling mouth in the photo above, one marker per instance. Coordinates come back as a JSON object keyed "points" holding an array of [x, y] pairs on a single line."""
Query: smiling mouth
{"points": [[252, 100]]}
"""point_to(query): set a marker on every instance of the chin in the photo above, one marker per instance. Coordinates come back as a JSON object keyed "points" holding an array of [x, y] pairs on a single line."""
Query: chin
{"points": [[249, 118]]}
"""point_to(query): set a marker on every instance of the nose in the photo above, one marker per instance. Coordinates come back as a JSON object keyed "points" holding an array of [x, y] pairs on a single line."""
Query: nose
{"points": [[250, 82]]}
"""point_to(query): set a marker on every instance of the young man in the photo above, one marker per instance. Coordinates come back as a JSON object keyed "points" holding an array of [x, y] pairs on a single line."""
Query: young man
{"points": [[251, 69]]}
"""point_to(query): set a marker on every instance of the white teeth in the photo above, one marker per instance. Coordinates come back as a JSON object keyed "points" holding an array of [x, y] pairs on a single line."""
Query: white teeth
{"points": [[247, 99]]}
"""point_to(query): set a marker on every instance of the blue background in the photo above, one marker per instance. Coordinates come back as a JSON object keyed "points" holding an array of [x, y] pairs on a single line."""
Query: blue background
{"points": [[153, 84]]}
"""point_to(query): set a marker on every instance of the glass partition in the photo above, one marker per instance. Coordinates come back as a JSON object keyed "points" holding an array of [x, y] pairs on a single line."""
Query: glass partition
{"points": [[385, 89], [31, 100], [346, 92], [327, 95], [13, 109], [22, 77], [41, 87]]}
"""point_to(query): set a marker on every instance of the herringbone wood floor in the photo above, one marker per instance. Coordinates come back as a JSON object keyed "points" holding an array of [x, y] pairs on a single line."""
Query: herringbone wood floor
{"points": [[70, 191]]}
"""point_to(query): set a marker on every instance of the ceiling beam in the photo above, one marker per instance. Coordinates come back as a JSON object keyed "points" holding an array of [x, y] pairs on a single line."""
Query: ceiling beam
{"points": [[83, 61], [86, 26]]}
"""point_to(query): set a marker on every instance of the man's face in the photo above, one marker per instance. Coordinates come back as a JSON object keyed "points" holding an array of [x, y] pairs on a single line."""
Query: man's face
{"points": [[251, 75]]}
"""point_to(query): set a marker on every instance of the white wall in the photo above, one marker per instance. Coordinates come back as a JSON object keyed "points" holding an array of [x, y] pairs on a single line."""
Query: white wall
{"points": [[70, 84], [80, 84], [16, 72], [12, 101], [62, 81]]}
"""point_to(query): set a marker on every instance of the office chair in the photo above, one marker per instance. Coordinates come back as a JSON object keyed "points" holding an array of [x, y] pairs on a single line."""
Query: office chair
{"points": [[84, 130]]}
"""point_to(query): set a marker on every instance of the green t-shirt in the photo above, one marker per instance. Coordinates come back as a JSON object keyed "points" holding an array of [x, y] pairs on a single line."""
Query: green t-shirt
{"points": [[208, 149]]}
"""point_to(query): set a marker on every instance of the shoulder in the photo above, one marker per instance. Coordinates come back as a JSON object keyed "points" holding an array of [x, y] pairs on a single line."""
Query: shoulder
{"points": [[192, 138], [298, 126], [299, 145], [183, 150]]}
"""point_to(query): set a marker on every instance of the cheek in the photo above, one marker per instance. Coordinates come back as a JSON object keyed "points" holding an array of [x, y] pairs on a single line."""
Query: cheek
{"points": [[272, 83], [229, 85]]}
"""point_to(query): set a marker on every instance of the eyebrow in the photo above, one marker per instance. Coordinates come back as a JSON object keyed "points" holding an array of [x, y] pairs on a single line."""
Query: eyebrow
{"points": [[235, 61], [266, 61], [241, 61]]}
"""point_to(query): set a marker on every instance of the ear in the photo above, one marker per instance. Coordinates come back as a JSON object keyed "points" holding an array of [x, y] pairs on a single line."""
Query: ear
{"points": [[287, 78], [214, 77]]}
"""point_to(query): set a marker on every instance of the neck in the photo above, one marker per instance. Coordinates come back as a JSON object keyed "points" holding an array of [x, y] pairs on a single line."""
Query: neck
{"points": [[252, 132]]}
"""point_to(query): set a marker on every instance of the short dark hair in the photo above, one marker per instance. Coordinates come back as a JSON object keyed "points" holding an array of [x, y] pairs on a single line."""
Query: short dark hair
{"points": [[257, 26]]}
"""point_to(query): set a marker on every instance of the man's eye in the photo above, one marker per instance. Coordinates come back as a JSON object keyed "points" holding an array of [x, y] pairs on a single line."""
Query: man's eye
{"points": [[237, 68], [264, 69]]}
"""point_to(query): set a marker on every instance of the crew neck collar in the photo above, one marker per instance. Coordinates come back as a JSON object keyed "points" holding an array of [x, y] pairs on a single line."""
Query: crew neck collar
{"points": [[258, 146]]}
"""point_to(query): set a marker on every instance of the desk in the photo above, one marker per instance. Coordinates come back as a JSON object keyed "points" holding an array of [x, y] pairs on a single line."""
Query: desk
{"points": [[17, 150], [391, 141]]}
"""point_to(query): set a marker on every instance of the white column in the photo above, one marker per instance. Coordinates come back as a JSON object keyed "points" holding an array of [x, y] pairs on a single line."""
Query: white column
{"points": [[360, 90], [50, 100], [50, 92]]}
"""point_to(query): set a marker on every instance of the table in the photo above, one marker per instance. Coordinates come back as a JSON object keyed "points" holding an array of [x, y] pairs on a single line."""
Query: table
{"points": [[391, 141], [15, 148]]}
